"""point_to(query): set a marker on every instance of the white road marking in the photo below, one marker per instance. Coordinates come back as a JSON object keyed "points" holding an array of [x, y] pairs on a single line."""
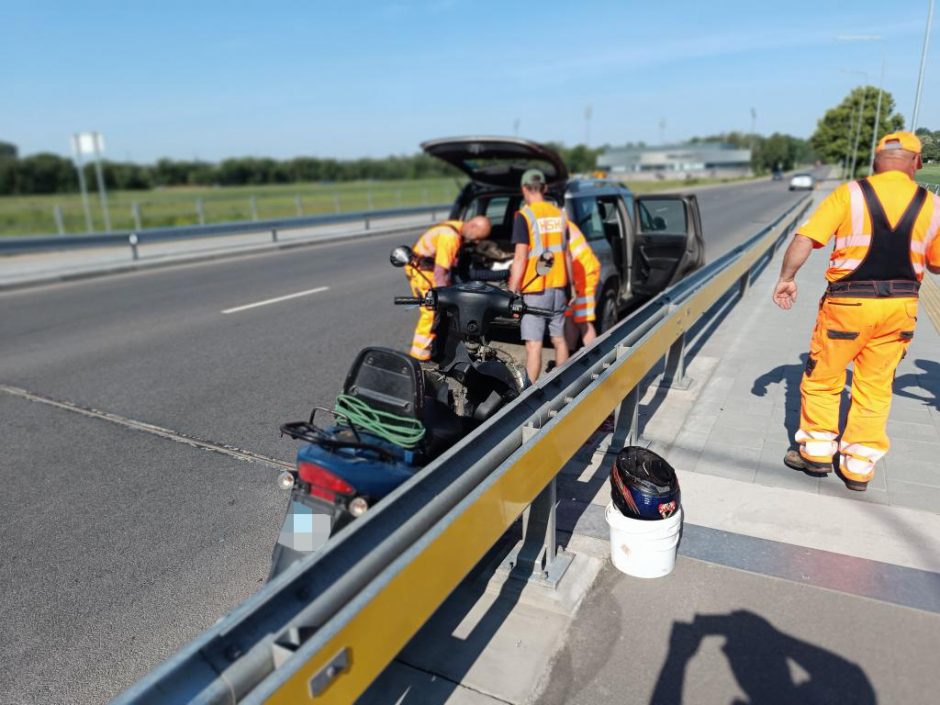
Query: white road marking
{"points": [[236, 309], [166, 433]]}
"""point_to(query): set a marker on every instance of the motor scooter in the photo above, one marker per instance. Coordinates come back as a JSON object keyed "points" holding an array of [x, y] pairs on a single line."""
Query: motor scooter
{"points": [[396, 414]]}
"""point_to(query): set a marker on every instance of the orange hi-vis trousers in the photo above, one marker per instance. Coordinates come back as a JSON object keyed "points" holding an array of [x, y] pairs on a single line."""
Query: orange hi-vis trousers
{"points": [[424, 330], [872, 333]]}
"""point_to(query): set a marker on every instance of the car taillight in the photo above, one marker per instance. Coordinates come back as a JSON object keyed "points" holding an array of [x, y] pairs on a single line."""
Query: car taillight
{"points": [[323, 483]]}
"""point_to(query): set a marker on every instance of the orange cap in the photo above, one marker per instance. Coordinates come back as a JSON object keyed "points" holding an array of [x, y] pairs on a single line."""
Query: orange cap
{"points": [[899, 140]]}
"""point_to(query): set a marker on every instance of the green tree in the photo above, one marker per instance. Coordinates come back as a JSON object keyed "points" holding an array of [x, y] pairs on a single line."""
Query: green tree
{"points": [[931, 144], [835, 136]]}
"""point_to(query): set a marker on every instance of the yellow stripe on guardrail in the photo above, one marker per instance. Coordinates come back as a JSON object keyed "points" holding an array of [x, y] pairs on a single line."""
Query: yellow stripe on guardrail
{"points": [[375, 634]]}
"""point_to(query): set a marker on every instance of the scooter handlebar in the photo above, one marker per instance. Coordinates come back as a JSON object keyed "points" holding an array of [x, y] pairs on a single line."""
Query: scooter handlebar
{"points": [[544, 312]]}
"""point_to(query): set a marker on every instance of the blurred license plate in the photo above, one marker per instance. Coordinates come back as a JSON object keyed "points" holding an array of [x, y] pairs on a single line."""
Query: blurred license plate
{"points": [[305, 528]]}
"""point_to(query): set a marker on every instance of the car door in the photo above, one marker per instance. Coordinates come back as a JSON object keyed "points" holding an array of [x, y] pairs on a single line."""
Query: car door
{"points": [[668, 241]]}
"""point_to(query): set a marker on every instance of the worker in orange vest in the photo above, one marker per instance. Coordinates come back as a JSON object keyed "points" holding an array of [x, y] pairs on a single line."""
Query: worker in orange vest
{"points": [[586, 271], [540, 227], [436, 254], [885, 229]]}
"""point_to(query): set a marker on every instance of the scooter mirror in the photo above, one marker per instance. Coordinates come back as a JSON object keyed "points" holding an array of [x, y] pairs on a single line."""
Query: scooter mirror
{"points": [[544, 265], [401, 256]]}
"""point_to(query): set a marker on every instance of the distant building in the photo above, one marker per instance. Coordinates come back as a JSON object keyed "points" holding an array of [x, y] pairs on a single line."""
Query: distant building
{"points": [[681, 161]]}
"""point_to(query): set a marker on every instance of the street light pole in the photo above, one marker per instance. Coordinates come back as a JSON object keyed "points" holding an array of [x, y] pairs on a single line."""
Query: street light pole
{"points": [[80, 168], [923, 64], [858, 129], [874, 132]]}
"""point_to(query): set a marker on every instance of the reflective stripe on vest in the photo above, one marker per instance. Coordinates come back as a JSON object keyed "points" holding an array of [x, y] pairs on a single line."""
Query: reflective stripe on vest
{"points": [[896, 253], [889, 253], [547, 239]]}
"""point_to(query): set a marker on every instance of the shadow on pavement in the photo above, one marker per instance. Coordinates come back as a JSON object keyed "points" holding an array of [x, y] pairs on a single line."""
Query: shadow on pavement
{"points": [[791, 376], [927, 381], [438, 651], [760, 656]]}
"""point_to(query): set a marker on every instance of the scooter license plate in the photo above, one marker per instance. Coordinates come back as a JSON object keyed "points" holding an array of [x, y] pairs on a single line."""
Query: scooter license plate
{"points": [[305, 528]]}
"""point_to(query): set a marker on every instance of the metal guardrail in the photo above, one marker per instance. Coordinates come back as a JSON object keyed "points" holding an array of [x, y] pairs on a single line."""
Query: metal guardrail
{"points": [[134, 238], [327, 627], [934, 188]]}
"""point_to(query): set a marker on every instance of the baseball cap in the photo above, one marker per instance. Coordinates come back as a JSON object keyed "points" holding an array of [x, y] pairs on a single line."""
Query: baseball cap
{"points": [[533, 177], [899, 140]]}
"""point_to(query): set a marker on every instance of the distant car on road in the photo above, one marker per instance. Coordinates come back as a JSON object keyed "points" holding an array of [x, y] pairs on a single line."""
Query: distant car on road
{"points": [[777, 175], [802, 181], [644, 243]]}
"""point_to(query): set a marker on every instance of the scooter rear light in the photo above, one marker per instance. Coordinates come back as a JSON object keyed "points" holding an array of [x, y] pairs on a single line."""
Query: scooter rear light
{"points": [[322, 482]]}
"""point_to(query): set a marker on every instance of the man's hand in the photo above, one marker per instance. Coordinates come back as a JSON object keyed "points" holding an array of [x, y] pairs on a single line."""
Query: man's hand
{"points": [[785, 294], [795, 257]]}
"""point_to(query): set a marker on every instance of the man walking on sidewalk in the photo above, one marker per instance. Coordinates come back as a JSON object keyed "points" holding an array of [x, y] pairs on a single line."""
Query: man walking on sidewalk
{"points": [[885, 229]]}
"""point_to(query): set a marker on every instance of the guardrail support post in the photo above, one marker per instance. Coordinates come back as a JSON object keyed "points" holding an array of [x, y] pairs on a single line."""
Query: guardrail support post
{"points": [[537, 558], [674, 376], [744, 283], [59, 222], [626, 422], [367, 223], [273, 234]]}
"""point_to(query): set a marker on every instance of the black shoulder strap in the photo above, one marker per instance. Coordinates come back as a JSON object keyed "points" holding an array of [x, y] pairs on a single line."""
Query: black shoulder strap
{"points": [[878, 218], [906, 223], [879, 221]]}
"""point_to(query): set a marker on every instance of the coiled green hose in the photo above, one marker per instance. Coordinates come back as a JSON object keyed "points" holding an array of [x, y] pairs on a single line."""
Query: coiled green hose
{"points": [[401, 430]]}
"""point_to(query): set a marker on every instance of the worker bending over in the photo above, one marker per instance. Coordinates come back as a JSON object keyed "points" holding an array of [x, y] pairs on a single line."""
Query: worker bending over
{"points": [[436, 254]]}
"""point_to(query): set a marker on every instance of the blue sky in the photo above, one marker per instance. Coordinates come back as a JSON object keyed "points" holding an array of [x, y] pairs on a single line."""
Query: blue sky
{"points": [[213, 79]]}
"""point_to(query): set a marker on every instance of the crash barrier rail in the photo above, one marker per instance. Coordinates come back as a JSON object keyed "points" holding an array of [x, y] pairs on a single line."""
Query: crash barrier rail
{"points": [[934, 188], [324, 629], [135, 238]]}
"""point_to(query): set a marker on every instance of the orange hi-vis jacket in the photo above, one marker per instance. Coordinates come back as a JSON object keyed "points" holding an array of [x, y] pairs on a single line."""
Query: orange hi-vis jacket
{"points": [[845, 214], [547, 225], [441, 243], [586, 270]]}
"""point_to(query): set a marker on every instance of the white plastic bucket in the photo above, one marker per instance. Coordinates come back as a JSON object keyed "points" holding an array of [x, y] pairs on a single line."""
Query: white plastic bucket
{"points": [[643, 548]]}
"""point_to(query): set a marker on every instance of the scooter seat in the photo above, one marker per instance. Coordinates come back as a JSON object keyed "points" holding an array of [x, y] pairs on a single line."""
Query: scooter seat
{"points": [[387, 380]]}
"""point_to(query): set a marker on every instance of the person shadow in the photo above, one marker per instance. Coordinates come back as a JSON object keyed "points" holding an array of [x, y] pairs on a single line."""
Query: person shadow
{"points": [[791, 376], [770, 666], [927, 381]]}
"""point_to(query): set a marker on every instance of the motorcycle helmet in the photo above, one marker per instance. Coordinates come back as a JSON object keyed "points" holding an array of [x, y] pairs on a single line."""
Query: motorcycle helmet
{"points": [[643, 485]]}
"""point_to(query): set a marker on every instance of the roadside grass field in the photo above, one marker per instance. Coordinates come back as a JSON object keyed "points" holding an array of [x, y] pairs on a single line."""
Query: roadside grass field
{"points": [[930, 174], [34, 215], [179, 205]]}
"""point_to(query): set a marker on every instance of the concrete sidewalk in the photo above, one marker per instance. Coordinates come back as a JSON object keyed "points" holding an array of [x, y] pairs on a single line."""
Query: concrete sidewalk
{"points": [[30, 269], [787, 589]]}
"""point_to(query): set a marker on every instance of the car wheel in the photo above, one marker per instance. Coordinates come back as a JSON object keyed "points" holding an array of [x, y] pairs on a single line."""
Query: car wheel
{"points": [[606, 312]]}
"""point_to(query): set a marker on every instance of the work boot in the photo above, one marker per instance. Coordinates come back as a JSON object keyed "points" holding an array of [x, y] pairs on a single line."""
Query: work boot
{"points": [[793, 459]]}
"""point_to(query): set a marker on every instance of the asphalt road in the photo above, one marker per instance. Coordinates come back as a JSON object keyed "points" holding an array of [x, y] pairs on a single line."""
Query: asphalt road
{"points": [[118, 546]]}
